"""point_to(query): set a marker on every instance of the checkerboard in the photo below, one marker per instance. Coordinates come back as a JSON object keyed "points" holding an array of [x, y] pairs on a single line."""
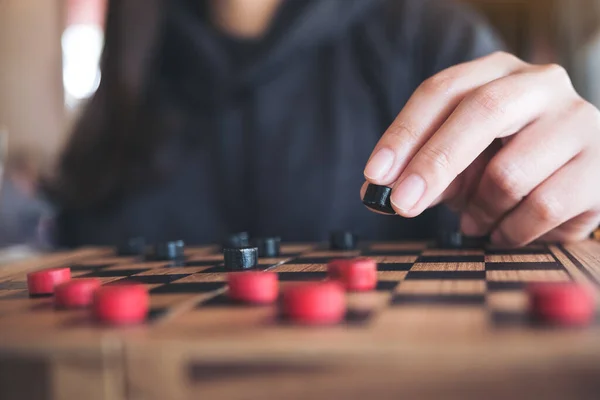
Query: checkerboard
{"points": [[472, 300]]}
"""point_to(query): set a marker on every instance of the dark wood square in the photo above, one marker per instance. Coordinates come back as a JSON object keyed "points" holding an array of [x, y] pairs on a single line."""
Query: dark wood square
{"points": [[302, 276], [188, 287], [394, 266], [152, 279], [442, 275], [438, 299], [116, 272]]}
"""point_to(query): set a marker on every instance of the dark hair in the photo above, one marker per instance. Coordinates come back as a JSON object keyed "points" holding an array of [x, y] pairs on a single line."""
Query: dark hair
{"points": [[114, 142]]}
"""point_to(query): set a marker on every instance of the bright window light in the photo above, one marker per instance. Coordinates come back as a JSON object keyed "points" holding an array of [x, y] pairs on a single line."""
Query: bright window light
{"points": [[82, 46]]}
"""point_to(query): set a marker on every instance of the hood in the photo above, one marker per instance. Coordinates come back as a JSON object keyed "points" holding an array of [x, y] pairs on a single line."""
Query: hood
{"points": [[194, 54]]}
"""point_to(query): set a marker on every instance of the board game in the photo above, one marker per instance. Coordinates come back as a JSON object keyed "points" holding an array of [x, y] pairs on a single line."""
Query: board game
{"points": [[441, 323]]}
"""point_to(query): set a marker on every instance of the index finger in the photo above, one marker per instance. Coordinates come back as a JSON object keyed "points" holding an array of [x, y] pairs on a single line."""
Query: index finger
{"points": [[495, 110], [427, 109]]}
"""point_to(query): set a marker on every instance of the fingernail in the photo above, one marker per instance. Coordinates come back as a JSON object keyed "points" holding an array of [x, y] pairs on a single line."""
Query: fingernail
{"points": [[468, 225], [380, 164], [408, 192]]}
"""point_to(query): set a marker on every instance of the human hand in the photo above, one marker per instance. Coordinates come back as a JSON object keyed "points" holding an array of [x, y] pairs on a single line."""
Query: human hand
{"points": [[510, 145]]}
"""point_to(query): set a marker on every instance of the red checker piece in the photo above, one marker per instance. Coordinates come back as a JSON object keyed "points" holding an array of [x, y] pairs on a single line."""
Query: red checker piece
{"points": [[356, 274], [562, 303], [253, 286], [76, 293], [121, 304], [314, 303], [43, 281]]}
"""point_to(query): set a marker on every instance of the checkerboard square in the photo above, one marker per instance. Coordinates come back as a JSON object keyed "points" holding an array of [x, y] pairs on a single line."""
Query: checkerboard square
{"points": [[394, 267], [438, 299], [104, 273], [448, 267], [519, 258], [451, 259], [395, 259], [220, 300], [301, 276], [516, 266], [301, 268], [395, 276], [442, 287], [156, 312], [508, 301], [193, 278], [510, 319], [453, 252], [506, 285], [173, 271], [188, 287], [87, 268], [442, 275], [494, 250], [152, 279], [528, 276], [386, 286]]}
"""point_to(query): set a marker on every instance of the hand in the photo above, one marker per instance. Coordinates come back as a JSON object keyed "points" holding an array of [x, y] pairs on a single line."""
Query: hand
{"points": [[510, 145]]}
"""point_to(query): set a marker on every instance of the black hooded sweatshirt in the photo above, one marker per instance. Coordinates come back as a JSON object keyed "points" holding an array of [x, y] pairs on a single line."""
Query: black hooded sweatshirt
{"points": [[278, 129]]}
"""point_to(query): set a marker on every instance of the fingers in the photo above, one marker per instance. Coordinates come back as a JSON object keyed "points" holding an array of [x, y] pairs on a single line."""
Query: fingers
{"points": [[526, 161], [363, 190], [461, 190], [498, 109], [554, 202], [574, 230], [427, 109]]}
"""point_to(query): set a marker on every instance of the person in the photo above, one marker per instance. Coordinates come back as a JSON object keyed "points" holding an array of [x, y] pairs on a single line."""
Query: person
{"points": [[267, 116]]}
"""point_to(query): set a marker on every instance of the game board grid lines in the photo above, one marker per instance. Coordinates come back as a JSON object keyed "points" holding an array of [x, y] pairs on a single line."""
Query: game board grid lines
{"points": [[289, 272], [409, 277], [592, 274], [428, 280], [508, 276]]}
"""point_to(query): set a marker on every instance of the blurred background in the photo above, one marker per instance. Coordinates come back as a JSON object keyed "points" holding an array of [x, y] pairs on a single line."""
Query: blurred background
{"points": [[50, 49]]}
